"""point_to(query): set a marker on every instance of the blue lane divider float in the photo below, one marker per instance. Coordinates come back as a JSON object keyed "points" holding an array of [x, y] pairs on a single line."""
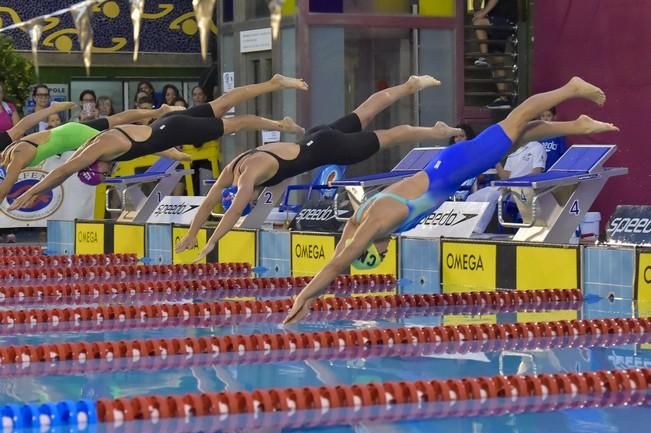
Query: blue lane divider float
{"points": [[82, 413]]}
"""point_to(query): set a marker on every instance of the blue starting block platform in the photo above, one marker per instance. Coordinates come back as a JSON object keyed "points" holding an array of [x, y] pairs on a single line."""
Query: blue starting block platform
{"points": [[558, 199]]}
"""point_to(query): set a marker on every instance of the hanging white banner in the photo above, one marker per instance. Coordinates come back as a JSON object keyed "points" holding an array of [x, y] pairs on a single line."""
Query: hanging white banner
{"points": [[69, 201]]}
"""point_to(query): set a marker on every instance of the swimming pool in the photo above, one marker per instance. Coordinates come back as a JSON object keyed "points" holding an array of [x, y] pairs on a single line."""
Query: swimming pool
{"points": [[65, 352]]}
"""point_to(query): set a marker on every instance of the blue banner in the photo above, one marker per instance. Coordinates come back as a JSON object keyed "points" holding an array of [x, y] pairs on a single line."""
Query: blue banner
{"points": [[167, 26]]}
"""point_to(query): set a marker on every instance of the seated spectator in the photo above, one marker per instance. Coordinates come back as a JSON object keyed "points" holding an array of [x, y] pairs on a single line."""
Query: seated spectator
{"points": [[526, 160], [148, 88], [139, 95], [88, 101], [105, 106], [53, 120], [555, 147], [198, 96], [468, 134], [180, 102], [41, 95], [170, 93], [8, 114]]}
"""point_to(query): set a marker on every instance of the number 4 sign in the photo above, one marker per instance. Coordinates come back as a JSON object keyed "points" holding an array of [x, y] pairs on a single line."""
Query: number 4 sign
{"points": [[575, 209]]}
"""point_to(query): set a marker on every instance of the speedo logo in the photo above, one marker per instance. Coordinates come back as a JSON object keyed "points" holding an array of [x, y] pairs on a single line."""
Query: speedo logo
{"points": [[315, 215], [630, 225], [465, 262], [174, 209], [448, 219]]}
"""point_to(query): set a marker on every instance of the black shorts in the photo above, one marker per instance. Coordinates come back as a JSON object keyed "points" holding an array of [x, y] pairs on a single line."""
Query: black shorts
{"points": [[334, 146], [501, 34], [5, 140], [348, 123], [101, 124]]}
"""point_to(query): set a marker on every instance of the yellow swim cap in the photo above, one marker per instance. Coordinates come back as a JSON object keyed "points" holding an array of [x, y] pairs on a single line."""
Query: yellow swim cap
{"points": [[370, 259]]}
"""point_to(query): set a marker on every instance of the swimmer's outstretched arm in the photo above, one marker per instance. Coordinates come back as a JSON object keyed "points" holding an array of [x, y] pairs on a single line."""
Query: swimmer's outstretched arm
{"points": [[33, 119], [78, 161], [583, 125], [244, 194], [363, 236], [212, 199]]}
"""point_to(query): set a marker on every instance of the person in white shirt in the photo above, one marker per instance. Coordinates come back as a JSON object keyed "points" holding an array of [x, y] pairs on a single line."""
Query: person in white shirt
{"points": [[526, 160]]}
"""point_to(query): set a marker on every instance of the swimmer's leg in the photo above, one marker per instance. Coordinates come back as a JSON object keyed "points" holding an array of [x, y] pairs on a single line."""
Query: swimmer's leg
{"points": [[249, 121], [238, 95], [516, 122], [379, 101], [584, 125], [404, 134]]}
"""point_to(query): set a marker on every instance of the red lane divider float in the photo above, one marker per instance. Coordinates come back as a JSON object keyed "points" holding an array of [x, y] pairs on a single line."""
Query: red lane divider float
{"points": [[160, 315], [158, 354], [389, 401], [21, 250], [33, 294], [122, 272], [22, 262], [316, 341]]}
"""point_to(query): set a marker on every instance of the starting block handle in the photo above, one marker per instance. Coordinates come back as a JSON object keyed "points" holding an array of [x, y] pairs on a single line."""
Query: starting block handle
{"points": [[107, 201], [500, 214]]}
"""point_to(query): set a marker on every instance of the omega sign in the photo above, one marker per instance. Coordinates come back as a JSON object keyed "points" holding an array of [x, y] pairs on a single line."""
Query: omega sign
{"points": [[309, 251], [45, 204], [466, 262]]}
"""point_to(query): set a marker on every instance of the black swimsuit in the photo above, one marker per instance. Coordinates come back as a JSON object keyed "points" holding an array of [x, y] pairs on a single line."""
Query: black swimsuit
{"points": [[196, 125], [342, 142], [5, 140]]}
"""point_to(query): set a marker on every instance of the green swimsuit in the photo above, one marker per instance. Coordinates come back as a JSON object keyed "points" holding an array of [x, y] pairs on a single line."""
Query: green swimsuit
{"points": [[64, 138]]}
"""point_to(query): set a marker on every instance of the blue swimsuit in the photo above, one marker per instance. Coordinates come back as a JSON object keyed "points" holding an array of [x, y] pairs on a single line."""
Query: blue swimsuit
{"points": [[447, 171]]}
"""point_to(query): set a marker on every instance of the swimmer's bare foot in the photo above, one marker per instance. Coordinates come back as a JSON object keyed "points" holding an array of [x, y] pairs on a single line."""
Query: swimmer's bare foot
{"points": [[442, 130], [289, 83], [288, 125], [590, 126], [588, 91], [419, 82]]}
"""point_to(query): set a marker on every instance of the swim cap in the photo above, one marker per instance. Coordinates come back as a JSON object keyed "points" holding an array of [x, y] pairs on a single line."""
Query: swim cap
{"points": [[370, 259], [90, 175], [228, 194]]}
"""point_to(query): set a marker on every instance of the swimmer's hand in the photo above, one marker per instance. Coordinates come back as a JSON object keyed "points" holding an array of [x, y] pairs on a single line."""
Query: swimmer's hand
{"points": [[299, 310], [23, 201], [206, 250], [187, 243]]}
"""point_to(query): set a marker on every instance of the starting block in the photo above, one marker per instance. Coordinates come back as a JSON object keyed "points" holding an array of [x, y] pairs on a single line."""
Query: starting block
{"points": [[266, 202], [136, 206], [562, 195]]}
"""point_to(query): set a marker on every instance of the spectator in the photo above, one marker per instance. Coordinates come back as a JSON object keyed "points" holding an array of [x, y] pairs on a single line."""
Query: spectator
{"points": [[468, 134], [88, 101], [496, 13], [180, 102], [145, 102], [146, 87], [137, 97], [8, 114], [53, 120], [198, 96], [105, 106], [526, 160], [555, 147], [170, 93], [41, 95]]}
